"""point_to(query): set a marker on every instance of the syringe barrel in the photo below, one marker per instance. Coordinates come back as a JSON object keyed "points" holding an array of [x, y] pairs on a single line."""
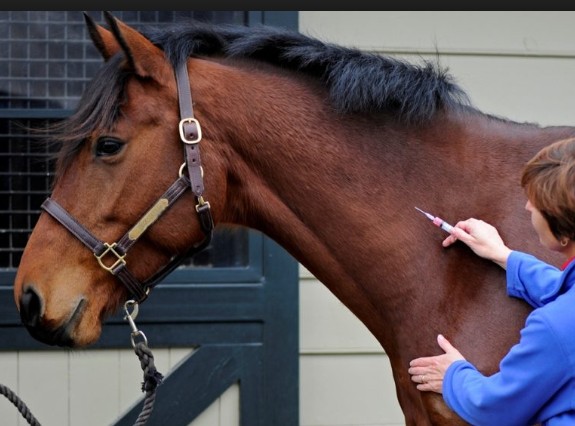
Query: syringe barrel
{"points": [[442, 224], [446, 226]]}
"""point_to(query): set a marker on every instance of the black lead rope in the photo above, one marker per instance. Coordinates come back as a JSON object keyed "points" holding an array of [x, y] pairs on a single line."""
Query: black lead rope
{"points": [[152, 378], [20, 405]]}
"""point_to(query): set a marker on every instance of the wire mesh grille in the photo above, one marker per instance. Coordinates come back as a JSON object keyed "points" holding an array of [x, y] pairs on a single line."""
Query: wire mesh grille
{"points": [[25, 170], [46, 57]]}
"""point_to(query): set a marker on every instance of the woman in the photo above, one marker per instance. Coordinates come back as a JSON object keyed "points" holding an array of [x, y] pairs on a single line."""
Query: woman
{"points": [[536, 379]]}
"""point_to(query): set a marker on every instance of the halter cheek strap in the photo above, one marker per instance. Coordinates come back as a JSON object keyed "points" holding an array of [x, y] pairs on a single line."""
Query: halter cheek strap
{"points": [[111, 257]]}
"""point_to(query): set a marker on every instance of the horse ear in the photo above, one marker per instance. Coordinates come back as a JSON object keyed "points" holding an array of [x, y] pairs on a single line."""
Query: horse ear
{"points": [[102, 38], [142, 56]]}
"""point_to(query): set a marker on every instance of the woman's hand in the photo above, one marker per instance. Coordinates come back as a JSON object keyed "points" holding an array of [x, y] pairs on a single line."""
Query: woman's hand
{"points": [[428, 372], [482, 238]]}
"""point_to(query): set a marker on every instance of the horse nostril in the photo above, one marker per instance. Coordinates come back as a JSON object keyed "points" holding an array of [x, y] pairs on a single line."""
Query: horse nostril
{"points": [[30, 307]]}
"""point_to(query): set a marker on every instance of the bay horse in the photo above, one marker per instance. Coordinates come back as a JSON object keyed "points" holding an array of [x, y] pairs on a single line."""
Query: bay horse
{"points": [[325, 149]]}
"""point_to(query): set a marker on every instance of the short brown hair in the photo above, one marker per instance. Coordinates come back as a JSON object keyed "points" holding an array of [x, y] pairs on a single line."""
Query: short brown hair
{"points": [[549, 183]]}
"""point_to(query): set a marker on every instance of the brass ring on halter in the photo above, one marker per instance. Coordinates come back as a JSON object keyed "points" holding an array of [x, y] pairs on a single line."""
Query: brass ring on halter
{"points": [[181, 171]]}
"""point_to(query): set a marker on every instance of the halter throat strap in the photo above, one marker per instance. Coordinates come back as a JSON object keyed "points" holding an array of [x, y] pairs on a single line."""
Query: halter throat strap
{"points": [[111, 257]]}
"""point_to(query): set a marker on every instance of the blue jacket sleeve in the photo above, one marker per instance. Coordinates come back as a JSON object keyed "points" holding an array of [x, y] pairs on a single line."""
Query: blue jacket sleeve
{"points": [[532, 280], [529, 375]]}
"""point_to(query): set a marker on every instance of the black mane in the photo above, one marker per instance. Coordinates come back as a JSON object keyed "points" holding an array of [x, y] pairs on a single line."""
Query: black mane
{"points": [[357, 81]]}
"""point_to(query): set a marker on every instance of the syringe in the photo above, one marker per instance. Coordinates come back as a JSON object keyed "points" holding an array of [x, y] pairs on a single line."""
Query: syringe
{"points": [[437, 221]]}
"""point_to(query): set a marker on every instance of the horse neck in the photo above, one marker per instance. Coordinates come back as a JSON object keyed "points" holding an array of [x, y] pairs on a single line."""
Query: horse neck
{"points": [[295, 170], [339, 192]]}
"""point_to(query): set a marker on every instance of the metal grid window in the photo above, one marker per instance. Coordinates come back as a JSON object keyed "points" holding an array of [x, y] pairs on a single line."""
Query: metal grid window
{"points": [[25, 172], [46, 59]]}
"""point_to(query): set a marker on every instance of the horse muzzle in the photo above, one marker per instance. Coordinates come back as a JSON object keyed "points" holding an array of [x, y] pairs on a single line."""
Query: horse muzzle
{"points": [[31, 308]]}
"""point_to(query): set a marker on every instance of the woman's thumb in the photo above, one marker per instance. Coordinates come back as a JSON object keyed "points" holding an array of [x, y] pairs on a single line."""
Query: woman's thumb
{"points": [[444, 343]]}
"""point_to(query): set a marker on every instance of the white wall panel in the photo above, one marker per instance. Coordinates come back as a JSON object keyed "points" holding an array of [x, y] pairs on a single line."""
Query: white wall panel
{"points": [[476, 32]]}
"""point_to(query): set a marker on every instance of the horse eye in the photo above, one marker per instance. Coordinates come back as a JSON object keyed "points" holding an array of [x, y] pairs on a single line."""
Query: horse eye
{"points": [[108, 146]]}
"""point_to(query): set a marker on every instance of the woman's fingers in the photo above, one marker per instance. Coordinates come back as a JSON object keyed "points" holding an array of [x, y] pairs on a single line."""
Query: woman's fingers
{"points": [[459, 232], [449, 240]]}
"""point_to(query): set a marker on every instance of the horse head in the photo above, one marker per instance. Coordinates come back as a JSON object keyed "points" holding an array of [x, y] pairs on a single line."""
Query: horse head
{"points": [[120, 152]]}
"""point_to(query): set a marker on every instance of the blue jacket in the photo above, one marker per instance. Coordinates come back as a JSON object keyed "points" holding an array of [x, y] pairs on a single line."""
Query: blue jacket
{"points": [[536, 379]]}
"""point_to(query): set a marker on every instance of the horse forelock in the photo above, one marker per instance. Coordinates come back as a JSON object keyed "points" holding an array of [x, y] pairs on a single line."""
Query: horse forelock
{"points": [[97, 109], [357, 81]]}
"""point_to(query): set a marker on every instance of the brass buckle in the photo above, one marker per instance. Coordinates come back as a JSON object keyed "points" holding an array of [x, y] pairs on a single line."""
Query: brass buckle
{"points": [[202, 203], [183, 135], [110, 249]]}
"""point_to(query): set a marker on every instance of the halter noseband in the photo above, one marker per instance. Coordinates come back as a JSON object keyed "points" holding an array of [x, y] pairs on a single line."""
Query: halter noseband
{"points": [[190, 134]]}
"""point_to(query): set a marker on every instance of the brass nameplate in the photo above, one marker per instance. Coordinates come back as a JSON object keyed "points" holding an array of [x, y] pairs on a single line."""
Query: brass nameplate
{"points": [[150, 217]]}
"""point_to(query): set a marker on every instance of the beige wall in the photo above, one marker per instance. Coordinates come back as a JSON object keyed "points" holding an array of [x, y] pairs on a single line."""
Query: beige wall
{"points": [[520, 65], [516, 64]]}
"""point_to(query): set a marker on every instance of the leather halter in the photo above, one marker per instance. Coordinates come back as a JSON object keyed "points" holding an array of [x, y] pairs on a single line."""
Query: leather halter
{"points": [[111, 257]]}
